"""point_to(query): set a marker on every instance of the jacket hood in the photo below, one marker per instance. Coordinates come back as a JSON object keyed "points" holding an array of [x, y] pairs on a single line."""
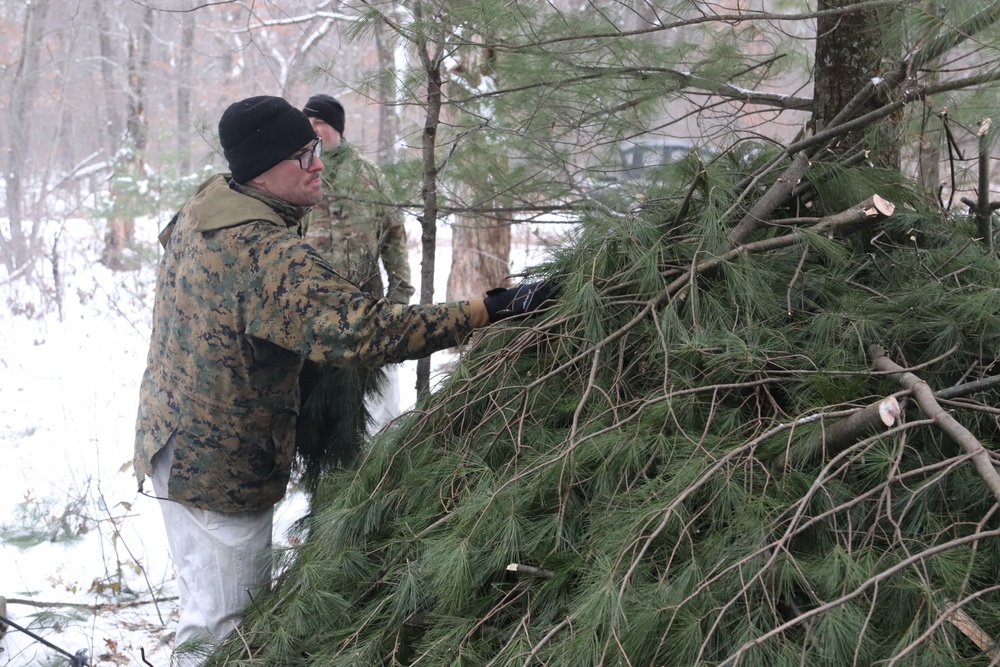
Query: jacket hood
{"points": [[217, 206]]}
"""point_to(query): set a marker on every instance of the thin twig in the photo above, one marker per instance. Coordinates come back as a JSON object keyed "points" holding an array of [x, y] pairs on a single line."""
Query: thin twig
{"points": [[99, 608], [544, 640]]}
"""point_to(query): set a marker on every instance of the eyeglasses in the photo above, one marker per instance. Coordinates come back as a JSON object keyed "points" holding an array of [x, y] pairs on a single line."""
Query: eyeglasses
{"points": [[308, 155]]}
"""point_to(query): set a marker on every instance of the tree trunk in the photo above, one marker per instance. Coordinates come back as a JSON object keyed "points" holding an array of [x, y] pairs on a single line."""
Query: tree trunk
{"points": [[429, 185], [387, 119], [480, 257], [16, 250], [120, 231], [113, 125], [184, 94], [850, 51], [480, 246]]}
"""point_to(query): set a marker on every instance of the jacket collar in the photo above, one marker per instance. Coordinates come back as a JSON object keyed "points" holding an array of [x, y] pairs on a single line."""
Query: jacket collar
{"points": [[290, 214], [220, 202]]}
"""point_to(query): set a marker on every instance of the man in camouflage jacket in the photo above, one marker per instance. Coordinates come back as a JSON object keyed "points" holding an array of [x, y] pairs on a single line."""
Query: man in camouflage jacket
{"points": [[241, 301]]}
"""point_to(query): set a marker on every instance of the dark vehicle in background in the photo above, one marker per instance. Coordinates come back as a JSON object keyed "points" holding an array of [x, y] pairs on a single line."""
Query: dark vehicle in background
{"points": [[621, 183], [640, 159]]}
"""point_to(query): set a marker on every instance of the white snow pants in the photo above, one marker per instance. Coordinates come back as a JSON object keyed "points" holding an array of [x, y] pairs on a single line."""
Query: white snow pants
{"points": [[220, 560], [384, 407]]}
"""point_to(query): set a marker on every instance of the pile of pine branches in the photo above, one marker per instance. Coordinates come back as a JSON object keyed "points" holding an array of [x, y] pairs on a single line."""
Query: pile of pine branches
{"points": [[754, 430]]}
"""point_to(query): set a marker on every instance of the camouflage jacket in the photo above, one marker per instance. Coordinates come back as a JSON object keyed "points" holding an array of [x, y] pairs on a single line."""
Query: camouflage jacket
{"points": [[356, 228], [241, 300]]}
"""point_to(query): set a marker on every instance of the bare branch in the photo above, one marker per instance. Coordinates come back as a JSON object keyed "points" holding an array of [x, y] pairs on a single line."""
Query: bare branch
{"points": [[929, 405]]}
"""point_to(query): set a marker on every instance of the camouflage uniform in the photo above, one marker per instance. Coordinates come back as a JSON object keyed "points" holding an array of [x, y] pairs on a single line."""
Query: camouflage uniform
{"points": [[354, 228], [241, 300]]}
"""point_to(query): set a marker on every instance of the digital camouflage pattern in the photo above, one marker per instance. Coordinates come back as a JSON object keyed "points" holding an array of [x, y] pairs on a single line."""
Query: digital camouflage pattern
{"points": [[241, 301], [355, 228]]}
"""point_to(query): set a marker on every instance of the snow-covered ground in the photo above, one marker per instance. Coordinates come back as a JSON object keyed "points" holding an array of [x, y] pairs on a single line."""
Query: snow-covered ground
{"points": [[83, 557]]}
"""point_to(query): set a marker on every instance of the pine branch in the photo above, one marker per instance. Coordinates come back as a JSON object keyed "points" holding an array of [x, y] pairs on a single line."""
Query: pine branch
{"points": [[771, 200], [873, 581], [860, 424], [745, 448], [544, 640], [930, 407], [531, 571], [795, 528], [779, 192], [872, 209], [867, 421], [744, 16], [949, 40], [968, 387]]}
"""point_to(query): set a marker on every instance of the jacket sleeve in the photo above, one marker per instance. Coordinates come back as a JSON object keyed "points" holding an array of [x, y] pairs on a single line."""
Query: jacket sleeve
{"points": [[394, 257], [296, 301], [389, 230]]}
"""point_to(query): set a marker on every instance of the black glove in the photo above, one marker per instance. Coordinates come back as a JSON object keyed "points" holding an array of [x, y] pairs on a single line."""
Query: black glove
{"points": [[501, 302]]}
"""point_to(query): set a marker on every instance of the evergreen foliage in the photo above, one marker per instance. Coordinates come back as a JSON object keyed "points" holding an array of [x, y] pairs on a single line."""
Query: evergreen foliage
{"points": [[652, 451], [333, 417], [654, 472]]}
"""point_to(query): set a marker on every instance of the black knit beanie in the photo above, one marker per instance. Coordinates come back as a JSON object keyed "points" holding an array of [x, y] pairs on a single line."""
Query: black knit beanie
{"points": [[327, 109], [259, 132]]}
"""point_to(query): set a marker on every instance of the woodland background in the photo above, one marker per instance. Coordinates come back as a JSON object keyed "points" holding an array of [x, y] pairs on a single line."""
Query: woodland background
{"points": [[108, 110], [837, 196]]}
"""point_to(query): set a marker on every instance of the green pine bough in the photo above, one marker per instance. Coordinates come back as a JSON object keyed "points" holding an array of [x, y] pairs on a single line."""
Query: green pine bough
{"points": [[770, 447]]}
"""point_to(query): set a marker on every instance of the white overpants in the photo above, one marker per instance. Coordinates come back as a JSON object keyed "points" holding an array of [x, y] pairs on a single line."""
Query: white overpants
{"points": [[218, 557], [384, 407]]}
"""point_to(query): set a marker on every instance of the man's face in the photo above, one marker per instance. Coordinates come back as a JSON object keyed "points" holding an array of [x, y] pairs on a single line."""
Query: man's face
{"points": [[330, 136], [296, 179]]}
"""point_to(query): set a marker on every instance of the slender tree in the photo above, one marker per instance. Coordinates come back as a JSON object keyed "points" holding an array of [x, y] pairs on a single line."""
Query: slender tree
{"points": [[185, 82], [16, 249], [130, 163], [431, 50]]}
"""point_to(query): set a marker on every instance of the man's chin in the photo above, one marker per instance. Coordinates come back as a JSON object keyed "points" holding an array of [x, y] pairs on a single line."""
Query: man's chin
{"points": [[315, 194]]}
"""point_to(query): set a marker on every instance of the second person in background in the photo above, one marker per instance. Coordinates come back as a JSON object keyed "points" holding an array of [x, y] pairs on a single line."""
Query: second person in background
{"points": [[358, 231]]}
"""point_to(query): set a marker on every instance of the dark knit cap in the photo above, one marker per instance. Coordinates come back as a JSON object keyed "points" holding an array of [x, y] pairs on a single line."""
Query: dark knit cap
{"points": [[259, 132], [327, 109]]}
